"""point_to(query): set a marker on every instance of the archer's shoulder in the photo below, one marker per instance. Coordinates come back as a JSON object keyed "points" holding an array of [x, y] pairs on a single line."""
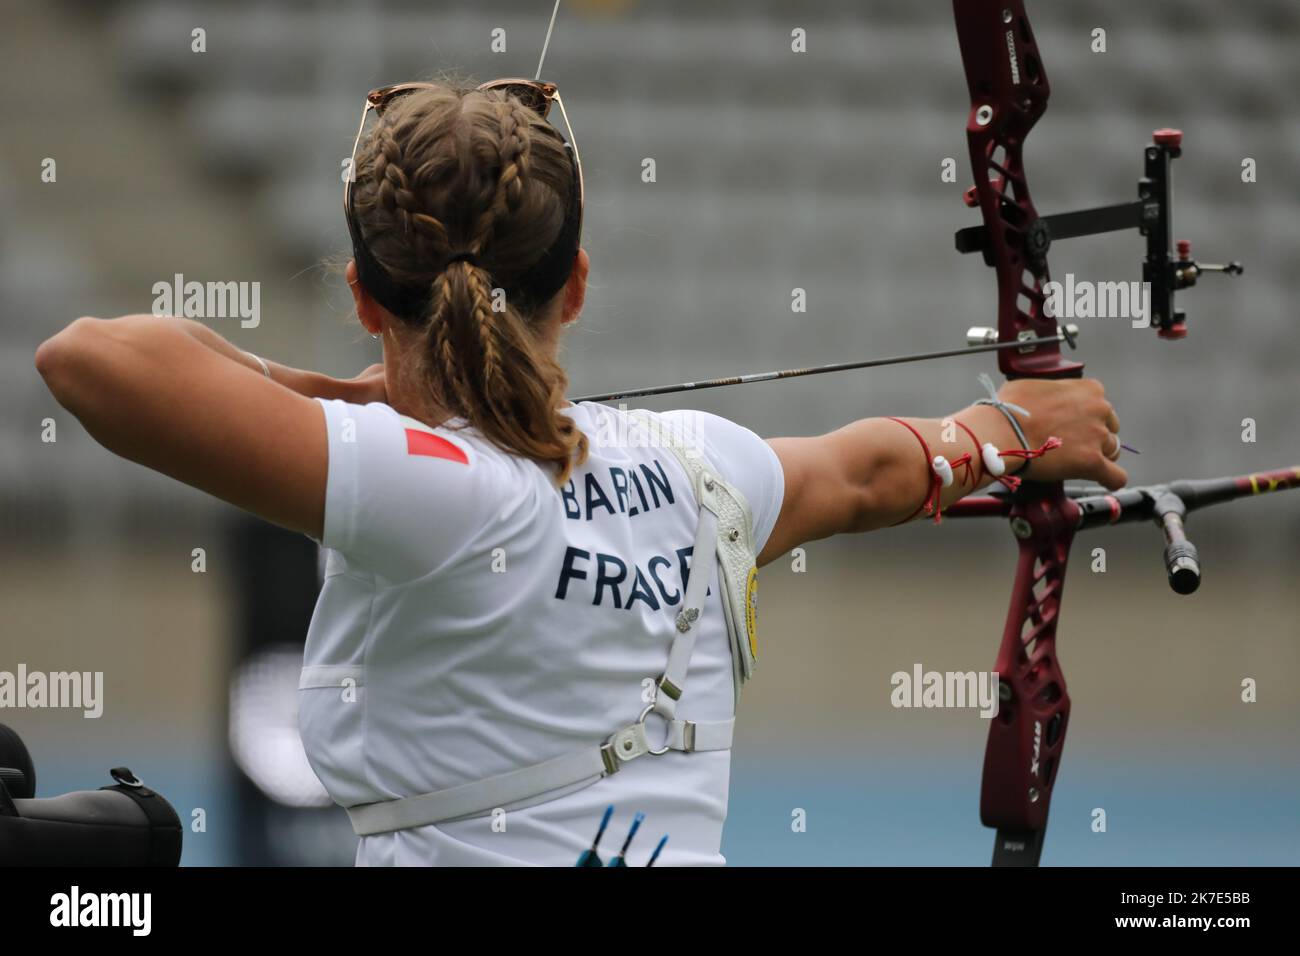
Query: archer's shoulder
{"points": [[381, 438], [738, 454]]}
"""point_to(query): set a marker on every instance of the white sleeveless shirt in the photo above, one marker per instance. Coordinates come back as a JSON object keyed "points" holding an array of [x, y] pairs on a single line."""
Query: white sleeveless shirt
{"points": [[476, 619]]}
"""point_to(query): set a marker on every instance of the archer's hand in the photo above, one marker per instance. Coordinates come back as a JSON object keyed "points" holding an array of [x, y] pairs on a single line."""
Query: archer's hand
{"points": [[369, 386], [1077, 412]]}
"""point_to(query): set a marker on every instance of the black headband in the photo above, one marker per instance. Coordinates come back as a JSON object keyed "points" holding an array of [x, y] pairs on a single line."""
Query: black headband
{"points": [[542, 280]]}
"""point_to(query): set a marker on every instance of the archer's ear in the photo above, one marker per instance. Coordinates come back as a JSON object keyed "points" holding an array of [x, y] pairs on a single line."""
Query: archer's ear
{"points": [[369, 311], [575, 290]]}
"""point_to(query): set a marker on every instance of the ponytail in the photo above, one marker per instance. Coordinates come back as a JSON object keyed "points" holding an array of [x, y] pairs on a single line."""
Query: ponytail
{"points": [[488, 367]]}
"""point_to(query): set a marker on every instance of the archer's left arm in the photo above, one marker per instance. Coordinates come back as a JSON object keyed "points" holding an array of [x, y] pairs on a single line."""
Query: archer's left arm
{"points": [[874, 473]]}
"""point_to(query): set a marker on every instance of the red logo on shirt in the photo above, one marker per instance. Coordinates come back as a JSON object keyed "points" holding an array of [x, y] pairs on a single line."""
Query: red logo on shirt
{"points": [[434, 446]]}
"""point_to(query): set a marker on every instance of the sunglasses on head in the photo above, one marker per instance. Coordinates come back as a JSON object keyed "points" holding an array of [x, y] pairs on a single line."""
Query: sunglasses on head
{"points": [[533, 94]]}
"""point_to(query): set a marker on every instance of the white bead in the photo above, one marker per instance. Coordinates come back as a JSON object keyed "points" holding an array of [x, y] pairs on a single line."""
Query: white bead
{"points": [[943, 470], [993, 462]]}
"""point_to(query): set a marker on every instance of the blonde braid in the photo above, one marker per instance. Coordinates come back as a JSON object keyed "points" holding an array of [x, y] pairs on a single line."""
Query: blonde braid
{"points": [[442, 351], [513, 151], [398, 197], [494, 373]]}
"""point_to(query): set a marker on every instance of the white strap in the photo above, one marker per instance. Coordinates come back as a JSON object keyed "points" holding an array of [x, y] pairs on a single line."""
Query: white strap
{"points": [[732, 546], [703, 561], [479, 796], [695, 735], [583, 766]]}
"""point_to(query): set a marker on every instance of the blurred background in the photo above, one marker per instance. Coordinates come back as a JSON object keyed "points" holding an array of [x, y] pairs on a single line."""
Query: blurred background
{"points": [[818, 170]]}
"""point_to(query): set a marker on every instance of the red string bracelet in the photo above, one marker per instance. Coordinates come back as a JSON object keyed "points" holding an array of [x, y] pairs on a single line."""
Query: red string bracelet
{"points": [[1028, 454], [942, 471], [941, 476], [990, 461], [989, 452]]}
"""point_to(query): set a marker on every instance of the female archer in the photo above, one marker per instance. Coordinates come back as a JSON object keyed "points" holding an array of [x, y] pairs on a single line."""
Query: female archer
{"points": [[532, 609]]}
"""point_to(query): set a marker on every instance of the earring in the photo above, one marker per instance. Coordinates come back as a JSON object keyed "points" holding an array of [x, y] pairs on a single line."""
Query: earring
{"points": [[374, 335]]}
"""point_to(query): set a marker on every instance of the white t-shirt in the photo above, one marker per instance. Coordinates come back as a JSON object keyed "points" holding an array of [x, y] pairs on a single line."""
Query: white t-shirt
{"points": [[476, 619]]}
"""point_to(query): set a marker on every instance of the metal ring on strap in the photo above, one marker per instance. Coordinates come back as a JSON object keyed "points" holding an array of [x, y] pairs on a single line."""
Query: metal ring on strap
{"points": [[641, 720]]}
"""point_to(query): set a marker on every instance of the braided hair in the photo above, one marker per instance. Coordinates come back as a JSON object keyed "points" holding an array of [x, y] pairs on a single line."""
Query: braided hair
{"points": [[461, 194]]}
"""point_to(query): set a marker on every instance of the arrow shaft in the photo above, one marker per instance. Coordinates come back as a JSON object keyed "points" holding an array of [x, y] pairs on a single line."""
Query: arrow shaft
{"points": [[813, 370]]}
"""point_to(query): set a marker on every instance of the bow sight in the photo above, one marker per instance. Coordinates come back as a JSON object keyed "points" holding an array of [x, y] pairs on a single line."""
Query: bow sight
{"points": [[1151, 214]]}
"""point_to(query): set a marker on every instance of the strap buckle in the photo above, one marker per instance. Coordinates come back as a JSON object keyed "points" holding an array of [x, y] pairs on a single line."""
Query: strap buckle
{"points": [[629, 743], [125, 777], [668, 687], [608, 757]]}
